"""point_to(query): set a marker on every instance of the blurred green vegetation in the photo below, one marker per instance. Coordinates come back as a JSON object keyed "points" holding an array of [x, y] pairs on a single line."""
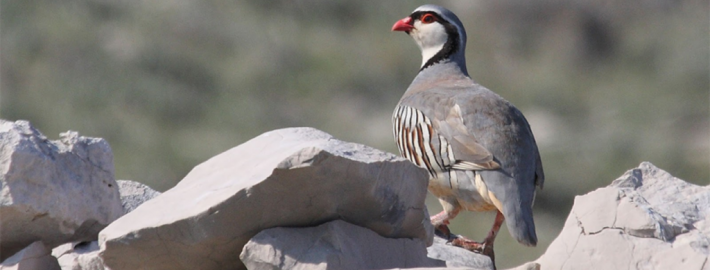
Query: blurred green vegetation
{"points": [[605, 85]]}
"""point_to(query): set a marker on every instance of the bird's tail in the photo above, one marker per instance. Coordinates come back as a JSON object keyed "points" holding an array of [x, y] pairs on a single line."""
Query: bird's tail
{"points": [[521, 225], [515, 202]]}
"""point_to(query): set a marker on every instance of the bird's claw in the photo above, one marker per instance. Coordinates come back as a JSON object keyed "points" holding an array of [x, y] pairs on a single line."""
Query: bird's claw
{"points": [[475, 247], [444, 232]]}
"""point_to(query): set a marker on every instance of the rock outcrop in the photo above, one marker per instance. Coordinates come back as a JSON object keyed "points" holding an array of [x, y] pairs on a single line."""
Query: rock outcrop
{"points": [[646, 219], [289, 177], [53, 191], [299, 199]]}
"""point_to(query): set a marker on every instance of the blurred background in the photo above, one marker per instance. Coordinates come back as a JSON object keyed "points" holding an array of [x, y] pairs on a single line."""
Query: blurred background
{"points": [[605, 85]]}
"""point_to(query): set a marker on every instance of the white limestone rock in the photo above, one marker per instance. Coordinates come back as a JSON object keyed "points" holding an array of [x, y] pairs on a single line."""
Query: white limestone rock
{"points": [[133, 194], [646, 219], [458, 257], [79, 256], [333, 245], [36, 256], [85, 255], [287, 177], [53, 191]]}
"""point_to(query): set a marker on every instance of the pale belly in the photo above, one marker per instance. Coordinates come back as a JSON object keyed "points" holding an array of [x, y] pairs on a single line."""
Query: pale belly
{"points": [[464, 188]]}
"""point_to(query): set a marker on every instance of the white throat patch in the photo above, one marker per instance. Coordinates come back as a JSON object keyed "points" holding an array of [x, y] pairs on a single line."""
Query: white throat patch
{"points": [[430, 38], [428, 53]]}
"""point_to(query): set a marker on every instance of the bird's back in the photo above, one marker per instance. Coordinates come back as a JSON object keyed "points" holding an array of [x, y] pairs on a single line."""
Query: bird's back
{"points": [[500, 128]]}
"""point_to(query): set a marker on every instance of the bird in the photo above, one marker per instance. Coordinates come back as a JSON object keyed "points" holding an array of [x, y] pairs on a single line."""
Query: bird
{"points": [[478, 148]]}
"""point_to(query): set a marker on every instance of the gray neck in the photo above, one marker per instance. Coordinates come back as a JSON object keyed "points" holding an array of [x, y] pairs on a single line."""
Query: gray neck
{"points": [[454, 66], [442, 74], [460, 59]]}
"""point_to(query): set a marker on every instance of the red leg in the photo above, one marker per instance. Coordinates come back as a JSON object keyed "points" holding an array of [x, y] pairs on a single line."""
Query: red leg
{"points": [[494, 230], [441, 220]]}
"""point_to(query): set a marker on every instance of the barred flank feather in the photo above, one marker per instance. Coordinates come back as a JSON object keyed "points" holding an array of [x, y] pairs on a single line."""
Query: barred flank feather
{"points": [[418, 142]]}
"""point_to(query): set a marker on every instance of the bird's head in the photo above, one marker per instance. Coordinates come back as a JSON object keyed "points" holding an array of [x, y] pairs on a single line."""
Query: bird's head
{"points": [[438, 32]]}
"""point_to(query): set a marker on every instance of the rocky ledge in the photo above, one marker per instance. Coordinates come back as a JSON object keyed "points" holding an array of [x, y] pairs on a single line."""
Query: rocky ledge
{"points": [[298, 198], [646, 219]]}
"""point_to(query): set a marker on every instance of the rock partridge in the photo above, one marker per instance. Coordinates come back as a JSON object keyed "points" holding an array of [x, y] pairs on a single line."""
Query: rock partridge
{"points": [[478, 148]]}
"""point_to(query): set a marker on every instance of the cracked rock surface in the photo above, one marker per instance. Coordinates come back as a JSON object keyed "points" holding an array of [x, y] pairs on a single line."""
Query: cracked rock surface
{"points": [[646, 219], [293, 177], [53, 191]]}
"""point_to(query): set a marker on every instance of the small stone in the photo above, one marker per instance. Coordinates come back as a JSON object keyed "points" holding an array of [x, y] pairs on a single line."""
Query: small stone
{"points": [[133, 194], [456, 256], [36, 256], [333, 245], [79, 256]]}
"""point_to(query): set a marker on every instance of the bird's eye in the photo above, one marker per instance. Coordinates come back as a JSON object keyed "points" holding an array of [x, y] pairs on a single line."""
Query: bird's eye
{"points": [[428, 18]]}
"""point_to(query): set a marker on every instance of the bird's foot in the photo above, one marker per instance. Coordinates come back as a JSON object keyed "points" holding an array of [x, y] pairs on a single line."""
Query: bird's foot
{"points": [[440, 222], [476, 247]]}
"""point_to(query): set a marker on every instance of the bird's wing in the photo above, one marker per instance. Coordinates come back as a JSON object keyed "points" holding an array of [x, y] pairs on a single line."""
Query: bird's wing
{"points": [[469, 153]]}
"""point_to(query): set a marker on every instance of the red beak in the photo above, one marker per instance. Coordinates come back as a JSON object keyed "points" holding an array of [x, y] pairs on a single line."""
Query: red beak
{"points": [[403, 25]]}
